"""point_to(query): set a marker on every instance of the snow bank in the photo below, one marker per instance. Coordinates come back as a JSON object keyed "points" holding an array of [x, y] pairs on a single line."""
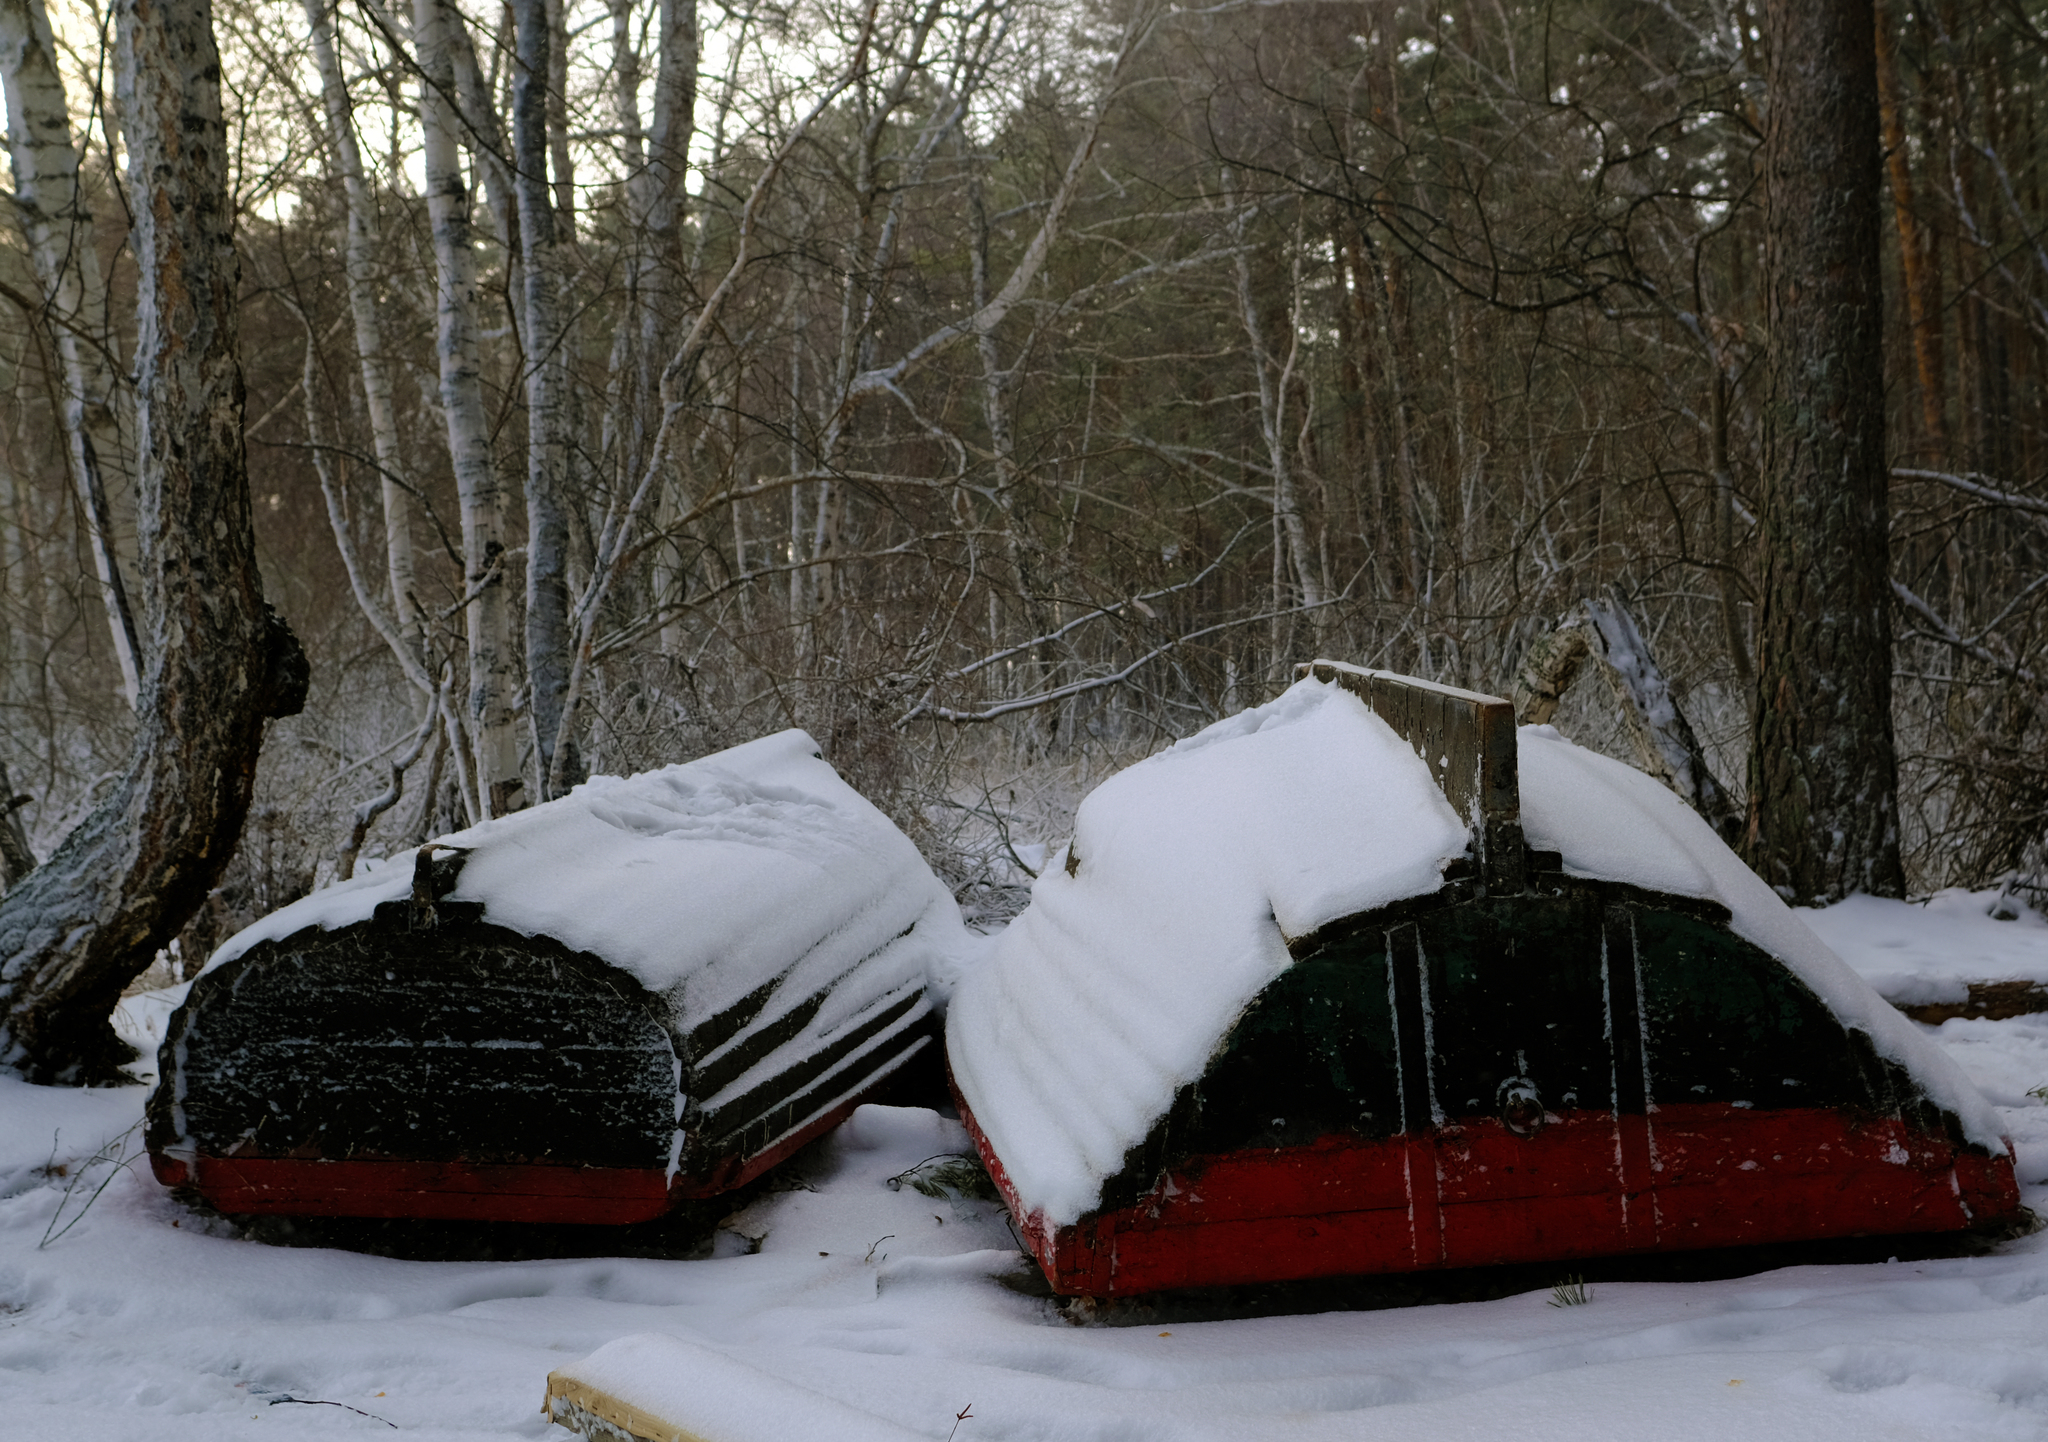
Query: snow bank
{"points": [[1917, 952], [1613, 823], [1189, 871], [701, 879], [1146, 940]]}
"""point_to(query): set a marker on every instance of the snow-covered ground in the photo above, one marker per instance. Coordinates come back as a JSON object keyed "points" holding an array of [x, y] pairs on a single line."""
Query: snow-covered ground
{"points": [[145, 1322], [1931, 951]]}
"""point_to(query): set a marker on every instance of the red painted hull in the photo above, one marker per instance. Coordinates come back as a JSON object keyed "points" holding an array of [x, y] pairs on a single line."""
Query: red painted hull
{"points": [[460, 1191], [1683, 1178]]}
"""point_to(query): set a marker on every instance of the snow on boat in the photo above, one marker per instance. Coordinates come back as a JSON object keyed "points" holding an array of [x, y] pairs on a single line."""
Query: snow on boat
{"points": [[653, 988], [1365, 981]]}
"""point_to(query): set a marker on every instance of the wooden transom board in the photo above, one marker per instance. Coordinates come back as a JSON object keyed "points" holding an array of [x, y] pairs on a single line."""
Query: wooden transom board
{"points": [[1467, 739], [378, 1072]]}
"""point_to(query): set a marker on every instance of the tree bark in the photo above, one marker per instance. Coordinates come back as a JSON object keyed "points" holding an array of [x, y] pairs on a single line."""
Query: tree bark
{"points": [[1665, 744], [1823, 810], [219, 660], [658, 269], [660, 200], [492, 664], [547, 532], [361, 271], [16, 859], [1923, 299], [59, 228]]}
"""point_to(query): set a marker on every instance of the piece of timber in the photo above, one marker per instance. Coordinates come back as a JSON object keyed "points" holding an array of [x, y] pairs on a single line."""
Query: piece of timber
{"points": [[1987, 1001], [654, 1388], [1467, 739]]}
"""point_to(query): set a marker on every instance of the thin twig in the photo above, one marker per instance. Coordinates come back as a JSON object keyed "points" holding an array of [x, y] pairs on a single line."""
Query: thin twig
{"points": [[323, 1402]]}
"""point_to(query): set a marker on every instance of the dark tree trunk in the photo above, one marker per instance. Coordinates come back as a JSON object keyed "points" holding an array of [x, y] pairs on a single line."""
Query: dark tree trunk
{"points": [[218, 661], [1823, 811]]}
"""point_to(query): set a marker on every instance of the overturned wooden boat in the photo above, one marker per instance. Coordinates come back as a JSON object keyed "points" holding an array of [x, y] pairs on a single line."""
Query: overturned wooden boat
{"points": [[1365, 981], [653, 988]]}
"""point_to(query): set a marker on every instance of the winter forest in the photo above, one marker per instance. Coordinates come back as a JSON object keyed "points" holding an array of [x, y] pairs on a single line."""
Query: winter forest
{"points": [[1001, 389]]}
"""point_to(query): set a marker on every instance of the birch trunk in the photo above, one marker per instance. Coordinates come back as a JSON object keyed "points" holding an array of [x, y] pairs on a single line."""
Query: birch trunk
{"points": [[361, 263], [663, 197], [622, 423], [492, 667], [59, 228], [1274, 379], [558, 121], [547, 587], [659, 268], [219, 660]]}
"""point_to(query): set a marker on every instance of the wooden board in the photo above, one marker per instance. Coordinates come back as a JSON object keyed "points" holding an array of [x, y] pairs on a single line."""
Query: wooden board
{"points": [[1468, 740], [651, 1387], [577, 1405], [1987, 1001]]}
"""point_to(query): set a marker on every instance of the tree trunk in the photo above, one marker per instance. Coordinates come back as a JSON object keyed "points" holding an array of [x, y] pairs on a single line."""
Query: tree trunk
{"points": [[219, 660], [1923, 298], [1823, 809], [558, 120], [492, 664], [1665, 744], [61, 245], [361, 271], [16, 859], [547, 531]]}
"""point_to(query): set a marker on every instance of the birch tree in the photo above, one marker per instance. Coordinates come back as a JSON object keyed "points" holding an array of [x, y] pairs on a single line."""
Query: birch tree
{"points": [[493, 665], [59, 227], [547, 582], [374, 359]]}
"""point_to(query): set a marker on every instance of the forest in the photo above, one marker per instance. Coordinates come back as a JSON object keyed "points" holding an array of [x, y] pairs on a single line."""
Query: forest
{"points": [[1002, 389]]}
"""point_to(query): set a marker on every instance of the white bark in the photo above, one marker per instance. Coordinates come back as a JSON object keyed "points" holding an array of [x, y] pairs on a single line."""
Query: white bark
{"points": [[547, 588], [492, 666], [361, 263], [659, 203], [59, 227], [1275, 378]]}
